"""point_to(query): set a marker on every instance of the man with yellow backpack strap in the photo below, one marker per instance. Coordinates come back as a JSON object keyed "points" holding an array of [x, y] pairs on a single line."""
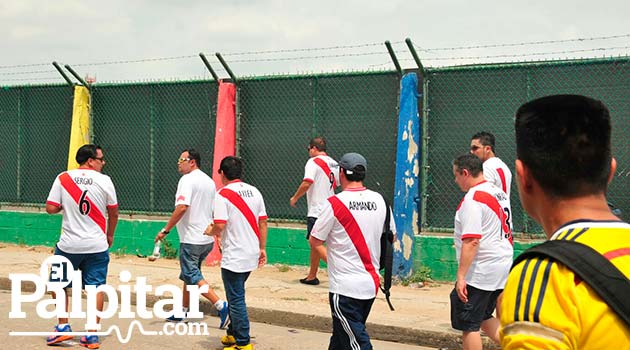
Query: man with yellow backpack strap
{"points": [[563, 167]]}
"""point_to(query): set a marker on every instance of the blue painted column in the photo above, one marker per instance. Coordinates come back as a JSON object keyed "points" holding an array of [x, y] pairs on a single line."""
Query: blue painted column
{"points": [[407, 175]]}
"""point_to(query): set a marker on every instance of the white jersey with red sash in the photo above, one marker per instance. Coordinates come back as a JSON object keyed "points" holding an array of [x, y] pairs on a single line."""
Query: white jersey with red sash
{"points": [[484, 213], [239, 206], [497, 173], [84, 195], [323, 174], [351, 224]]}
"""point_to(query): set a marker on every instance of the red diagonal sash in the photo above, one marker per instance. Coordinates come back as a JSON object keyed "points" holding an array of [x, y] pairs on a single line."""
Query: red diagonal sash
{"points": [[345, 218], [240, 204], [75, 192], [502, 176], [331, 177]]}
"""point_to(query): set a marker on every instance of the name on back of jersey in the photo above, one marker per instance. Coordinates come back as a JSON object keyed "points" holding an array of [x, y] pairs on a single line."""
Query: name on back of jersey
{"points": [[83, 180], [360, 205], [501, 196], [246, 193]]}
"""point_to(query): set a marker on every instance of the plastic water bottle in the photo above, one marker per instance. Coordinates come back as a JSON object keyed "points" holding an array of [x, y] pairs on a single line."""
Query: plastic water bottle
{"points": [[156, 251]]}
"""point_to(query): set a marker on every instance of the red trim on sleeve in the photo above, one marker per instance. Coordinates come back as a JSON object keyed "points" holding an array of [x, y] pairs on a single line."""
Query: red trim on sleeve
{"points": [[112, 206], [242, 206], [262, 217], [54, 203], [471, 235], [220, 221], [502, 176], [76, 193], [350, 225], [308, 180]]}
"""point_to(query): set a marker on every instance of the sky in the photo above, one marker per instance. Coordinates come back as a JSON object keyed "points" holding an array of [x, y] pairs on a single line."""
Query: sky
{"points": [[138, 40]]}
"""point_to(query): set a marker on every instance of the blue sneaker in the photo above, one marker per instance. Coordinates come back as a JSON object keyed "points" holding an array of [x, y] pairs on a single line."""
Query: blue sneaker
{"points": [[172, 318], [224, 316], [58, 338], [90, 341]]}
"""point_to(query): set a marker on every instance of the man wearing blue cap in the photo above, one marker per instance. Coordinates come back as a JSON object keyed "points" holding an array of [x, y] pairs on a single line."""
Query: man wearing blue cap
{"points": [[351, 223]]}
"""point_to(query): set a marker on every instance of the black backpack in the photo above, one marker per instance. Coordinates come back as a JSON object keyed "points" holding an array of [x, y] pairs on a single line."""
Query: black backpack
{"points": [[386, 260], [592, 267]]}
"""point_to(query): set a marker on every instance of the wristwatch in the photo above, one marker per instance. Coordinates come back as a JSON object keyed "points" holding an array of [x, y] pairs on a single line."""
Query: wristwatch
{"points": [[163, 230]]}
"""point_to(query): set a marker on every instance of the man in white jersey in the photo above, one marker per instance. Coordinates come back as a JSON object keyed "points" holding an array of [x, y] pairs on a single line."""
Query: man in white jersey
{"points": [[351, 223], [483, 243], [321, 177], [193, 213], [494, 169], [84, 195], [240, 218]]}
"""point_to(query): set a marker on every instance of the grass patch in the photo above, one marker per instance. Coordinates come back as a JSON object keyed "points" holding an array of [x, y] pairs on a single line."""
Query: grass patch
{"points": [[284, 268], [295, 299], [169, 251], [422, 274]]}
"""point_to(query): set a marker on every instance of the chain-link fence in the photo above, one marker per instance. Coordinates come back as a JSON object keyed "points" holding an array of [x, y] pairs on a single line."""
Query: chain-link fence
{"points": [[463, 101], [355, 113], [34, 133], [143, 128]]}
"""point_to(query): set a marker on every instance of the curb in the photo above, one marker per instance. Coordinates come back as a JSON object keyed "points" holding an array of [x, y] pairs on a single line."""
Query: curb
{"points": [[441, 340]]}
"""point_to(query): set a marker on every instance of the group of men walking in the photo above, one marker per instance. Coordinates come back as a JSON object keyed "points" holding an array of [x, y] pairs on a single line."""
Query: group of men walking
{"points": [[563, 167]]}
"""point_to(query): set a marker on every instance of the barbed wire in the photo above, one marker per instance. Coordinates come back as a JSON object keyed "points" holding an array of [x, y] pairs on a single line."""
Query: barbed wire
{"points": [[308, 49], [505, 55], [29, 72], [34, 78], [308, 57], [523, 43]]}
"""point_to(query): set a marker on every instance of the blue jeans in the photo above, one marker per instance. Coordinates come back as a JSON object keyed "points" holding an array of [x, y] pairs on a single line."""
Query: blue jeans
{"points": [[234, 284], [191, 256], [93, 266]]}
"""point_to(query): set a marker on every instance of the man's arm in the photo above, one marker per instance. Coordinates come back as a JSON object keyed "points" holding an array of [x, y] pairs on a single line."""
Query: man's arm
{"points": [[304, 186], [112, 221], [470, 246], [52, 209], [179, 211], [317, 245], [262, 227]]}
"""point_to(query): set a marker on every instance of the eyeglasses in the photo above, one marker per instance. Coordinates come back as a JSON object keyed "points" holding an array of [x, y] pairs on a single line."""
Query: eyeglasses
{"points": [[181, 160], [102, 159], [474, 147]]}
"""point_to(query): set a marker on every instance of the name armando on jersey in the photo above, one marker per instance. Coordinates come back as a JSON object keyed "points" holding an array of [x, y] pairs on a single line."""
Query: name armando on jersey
{"points": [[359, 205]]}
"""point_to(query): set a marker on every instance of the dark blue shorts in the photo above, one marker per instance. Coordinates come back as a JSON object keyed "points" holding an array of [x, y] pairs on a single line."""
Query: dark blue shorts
{"points": [[93, 266], [480, 306], [310, 222], [191, 256]]}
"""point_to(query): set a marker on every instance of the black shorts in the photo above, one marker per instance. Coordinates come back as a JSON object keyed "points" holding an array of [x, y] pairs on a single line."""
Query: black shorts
{"points": [[310, 222], [480, 306]]}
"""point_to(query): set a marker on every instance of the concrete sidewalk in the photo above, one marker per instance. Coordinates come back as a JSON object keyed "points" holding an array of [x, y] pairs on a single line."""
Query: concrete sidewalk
{"points": [[275, 296]]}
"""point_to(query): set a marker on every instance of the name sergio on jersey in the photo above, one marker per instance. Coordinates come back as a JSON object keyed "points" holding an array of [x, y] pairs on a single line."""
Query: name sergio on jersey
{"points": [[355, 205], [501, 196], [83, 181]]}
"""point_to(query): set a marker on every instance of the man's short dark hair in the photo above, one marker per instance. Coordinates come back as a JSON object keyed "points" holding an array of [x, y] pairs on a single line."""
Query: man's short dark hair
{"points": [[565, 142], [485, 138], [193, 154], [318, 142], [231, 167], [357, 174], [86, 152], [470, 162]]}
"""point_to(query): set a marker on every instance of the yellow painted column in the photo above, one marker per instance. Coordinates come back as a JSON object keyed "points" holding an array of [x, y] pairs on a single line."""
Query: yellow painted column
{"points": [[81, 124]]}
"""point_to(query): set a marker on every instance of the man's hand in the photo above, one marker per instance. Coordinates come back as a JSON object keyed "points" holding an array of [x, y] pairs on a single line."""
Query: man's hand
{"points": [[110, 241], [462, 292], [262, 259], [208, 230], [160, 236], [293, 201]]}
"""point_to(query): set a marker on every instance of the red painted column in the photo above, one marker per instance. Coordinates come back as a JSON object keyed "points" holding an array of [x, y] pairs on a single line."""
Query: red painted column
{"points": [[224, 142]]}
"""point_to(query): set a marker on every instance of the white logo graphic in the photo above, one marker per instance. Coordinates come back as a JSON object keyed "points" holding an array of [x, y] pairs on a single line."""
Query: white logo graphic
{"points": [[57, 273]]}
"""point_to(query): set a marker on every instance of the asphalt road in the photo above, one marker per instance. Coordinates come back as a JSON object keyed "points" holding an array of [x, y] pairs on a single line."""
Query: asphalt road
{"points": [[264, 336]]}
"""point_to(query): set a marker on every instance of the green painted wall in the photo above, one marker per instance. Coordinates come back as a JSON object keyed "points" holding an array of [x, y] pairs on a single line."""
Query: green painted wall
{"points": [[284, 245], [438, 254]]}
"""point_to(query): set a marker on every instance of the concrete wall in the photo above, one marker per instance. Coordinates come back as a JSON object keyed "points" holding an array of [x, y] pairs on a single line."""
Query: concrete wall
{"points": [[284, 245]]}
